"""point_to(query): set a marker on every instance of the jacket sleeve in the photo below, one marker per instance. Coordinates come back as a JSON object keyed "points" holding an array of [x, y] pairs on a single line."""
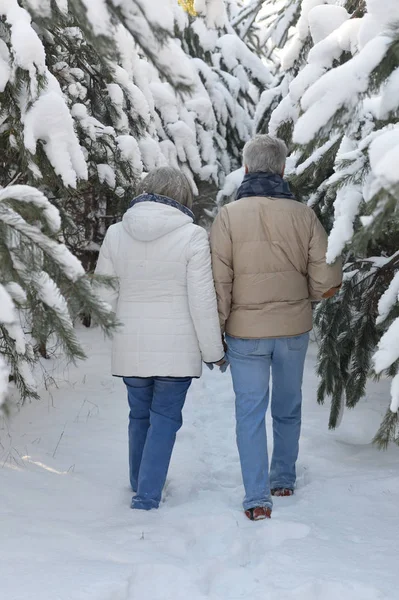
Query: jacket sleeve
{"points": [[222, 263], [105, 267], [202, 298], [321, 276]]}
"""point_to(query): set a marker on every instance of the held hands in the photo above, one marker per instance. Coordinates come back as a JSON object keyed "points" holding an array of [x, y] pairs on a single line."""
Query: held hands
{"points": [[222, 364]]}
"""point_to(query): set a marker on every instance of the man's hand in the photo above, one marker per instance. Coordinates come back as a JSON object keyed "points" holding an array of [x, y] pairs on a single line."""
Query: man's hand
{"points": [[331, 292]]}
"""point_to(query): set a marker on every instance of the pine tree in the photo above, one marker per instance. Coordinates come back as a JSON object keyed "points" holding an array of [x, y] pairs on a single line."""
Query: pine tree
{"points": [[340, 117], [267, 26], [43, 288], [232, 75], [269, 30]]}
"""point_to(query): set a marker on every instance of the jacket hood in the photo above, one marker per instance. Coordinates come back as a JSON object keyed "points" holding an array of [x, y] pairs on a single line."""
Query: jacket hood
{"points": [[152, 217]]}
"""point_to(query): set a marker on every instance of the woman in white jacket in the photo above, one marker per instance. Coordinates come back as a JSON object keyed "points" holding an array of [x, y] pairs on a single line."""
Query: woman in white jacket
{"points": [[166, 304]]}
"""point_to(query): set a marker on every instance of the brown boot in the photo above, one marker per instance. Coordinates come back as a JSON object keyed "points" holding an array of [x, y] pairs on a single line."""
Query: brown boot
{"points": [[258, 513]]}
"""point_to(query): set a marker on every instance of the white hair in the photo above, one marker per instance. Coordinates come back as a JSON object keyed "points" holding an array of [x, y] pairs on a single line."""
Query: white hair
{"points": [[169, 182], [265, 154]]}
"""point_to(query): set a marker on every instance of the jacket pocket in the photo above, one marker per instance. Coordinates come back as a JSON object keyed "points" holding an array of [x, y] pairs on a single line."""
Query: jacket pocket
{"points": [[298, 342], [241, 345]]}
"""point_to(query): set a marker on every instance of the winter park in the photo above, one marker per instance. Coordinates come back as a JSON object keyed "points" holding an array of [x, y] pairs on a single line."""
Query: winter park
{"points": [[199, 299]]}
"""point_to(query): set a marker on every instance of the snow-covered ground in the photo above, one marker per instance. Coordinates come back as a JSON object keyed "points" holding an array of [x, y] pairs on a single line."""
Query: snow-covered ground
{"points": [[67, 532]]}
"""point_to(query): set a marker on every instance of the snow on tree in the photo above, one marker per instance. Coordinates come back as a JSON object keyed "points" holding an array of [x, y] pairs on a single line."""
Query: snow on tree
{"points": [[130, 111], [232, 75], [93, 93], [267, 25], [339, 115], [63, 126], [270, 29], [43, 288], [199, 127]]}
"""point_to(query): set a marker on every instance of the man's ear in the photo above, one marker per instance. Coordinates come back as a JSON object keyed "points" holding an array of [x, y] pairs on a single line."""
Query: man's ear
{"points": [[246, 169]]}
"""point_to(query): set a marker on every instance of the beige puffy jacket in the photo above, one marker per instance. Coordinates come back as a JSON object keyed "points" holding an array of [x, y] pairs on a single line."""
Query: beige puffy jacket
{"points": [[269, 264]]}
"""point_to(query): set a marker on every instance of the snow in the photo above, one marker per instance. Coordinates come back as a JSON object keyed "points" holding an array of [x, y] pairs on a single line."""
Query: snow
{"points": [[62, 5], [9, 320], [325, 19], [98, 15], [71, 265], [235, 52], [27, 49], [208, 37], [58, 252], [151, 154], [338, 88], [388, 348], [214, 12], [383, 14], [116, 96], [346, 207], [5, 69], [231, 185], [25, 193], [50, 121], [106, 174], [389, 98], [279, 18], [160, 14], [49, 293], [388, 299], [130, 151], [4, 374], [384, 156], [7, 309], [92, 127], [68, 532], [316, 156], [139, 107], [294, 47], [330, 48], [16, 292], [395, 394]]}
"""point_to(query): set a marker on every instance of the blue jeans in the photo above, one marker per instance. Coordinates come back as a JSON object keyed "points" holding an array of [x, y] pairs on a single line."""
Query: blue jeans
{"points": [[251, 362], [156, 405]]}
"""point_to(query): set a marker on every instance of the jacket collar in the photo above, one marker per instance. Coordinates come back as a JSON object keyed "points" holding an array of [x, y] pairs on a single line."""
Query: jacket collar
{"points": [[267, 185], [162, 200]]}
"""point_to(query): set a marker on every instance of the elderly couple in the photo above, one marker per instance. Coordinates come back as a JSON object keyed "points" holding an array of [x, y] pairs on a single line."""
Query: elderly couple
{"points": [[244, 301]]}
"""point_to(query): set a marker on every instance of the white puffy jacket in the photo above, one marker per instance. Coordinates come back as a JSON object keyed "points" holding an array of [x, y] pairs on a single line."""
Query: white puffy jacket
{"points": [[166, 300]]}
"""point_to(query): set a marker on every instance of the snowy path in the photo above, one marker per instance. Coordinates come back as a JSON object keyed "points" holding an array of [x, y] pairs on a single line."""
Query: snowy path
{"points": [[67, 532]]}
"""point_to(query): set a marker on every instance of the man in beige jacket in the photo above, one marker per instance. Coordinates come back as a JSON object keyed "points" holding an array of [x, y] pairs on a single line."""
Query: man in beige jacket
{"points": [[268, 253]]}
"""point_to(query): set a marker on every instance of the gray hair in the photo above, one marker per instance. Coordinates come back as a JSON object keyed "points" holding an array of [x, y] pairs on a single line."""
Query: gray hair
{"points": [[169, 182], [265, 154]]}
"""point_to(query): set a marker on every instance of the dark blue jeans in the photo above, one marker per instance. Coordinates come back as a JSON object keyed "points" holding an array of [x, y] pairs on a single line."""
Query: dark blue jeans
{"points": [[156, 405]]}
